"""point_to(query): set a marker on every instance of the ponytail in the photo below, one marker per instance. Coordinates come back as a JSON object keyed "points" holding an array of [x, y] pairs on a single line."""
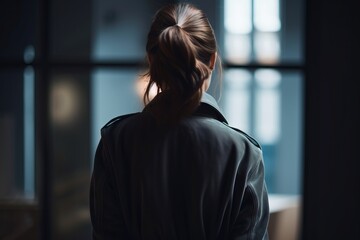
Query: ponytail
{"points": [[178, 64]]}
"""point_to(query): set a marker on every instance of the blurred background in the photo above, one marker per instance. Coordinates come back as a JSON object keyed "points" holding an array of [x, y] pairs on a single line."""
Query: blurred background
{"points": [[68, 67]]}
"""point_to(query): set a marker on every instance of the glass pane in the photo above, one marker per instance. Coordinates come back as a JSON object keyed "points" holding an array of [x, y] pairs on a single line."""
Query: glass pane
{"points": [[70, 30], [114, 92], [106, 31], [270, 32], [266, 15], [17, 149], [267, 49], [17, 24], [267, 104], [120, 29], [18, 200], [69, 109], [234, 9]]}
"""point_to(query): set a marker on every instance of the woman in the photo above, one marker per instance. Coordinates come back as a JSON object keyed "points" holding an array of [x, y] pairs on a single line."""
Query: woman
{"points": [[177, 170]]}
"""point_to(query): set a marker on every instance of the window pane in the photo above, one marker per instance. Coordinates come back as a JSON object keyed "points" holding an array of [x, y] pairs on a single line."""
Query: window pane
{"points": [[69, 109], [114, 92], [236, 98], [267, 47], [275, 33], [267, 104], [238, 48], [17, 149], [266, 15], [238, 19], [120, 28], [70, 29], [17, 24], [110, 30]]}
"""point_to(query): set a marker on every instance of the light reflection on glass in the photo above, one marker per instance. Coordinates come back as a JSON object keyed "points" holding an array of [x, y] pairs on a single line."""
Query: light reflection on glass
{"points": [[267, 47], [29, 133], [266, 15], [252, 37], [29, 54], [267, 106], [64, 101], [238, 16], [237, 98], [238, 48]]}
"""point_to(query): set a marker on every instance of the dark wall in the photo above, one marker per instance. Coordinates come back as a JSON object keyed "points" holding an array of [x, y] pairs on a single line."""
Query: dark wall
{"points": [[332, 175]]}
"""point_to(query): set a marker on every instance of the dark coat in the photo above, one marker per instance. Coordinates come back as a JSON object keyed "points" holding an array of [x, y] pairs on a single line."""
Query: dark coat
{"points": [[196, 179]]}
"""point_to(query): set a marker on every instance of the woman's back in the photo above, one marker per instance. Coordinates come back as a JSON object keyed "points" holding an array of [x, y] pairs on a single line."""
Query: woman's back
{"points": [[190, 180]]}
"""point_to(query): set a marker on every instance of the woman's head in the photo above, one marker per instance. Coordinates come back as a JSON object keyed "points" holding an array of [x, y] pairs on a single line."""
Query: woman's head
{"points": [[181, 49]]}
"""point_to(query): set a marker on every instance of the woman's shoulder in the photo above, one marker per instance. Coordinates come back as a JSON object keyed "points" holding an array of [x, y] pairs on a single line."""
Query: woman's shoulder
{"points": [[242, 135], [118, 119], [251, 139], [213, 128]]}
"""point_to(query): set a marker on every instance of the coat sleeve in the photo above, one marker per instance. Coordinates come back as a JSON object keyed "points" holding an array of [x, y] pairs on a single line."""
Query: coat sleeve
{"points": [[105, 211], [253, 214]]}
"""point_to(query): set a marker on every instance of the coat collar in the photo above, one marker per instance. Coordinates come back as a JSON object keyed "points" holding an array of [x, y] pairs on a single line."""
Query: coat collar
{"points": [[210, 108]]}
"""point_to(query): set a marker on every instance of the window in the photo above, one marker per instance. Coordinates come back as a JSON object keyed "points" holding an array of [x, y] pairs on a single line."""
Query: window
{"points": [[263, 84], [67, 67]]}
